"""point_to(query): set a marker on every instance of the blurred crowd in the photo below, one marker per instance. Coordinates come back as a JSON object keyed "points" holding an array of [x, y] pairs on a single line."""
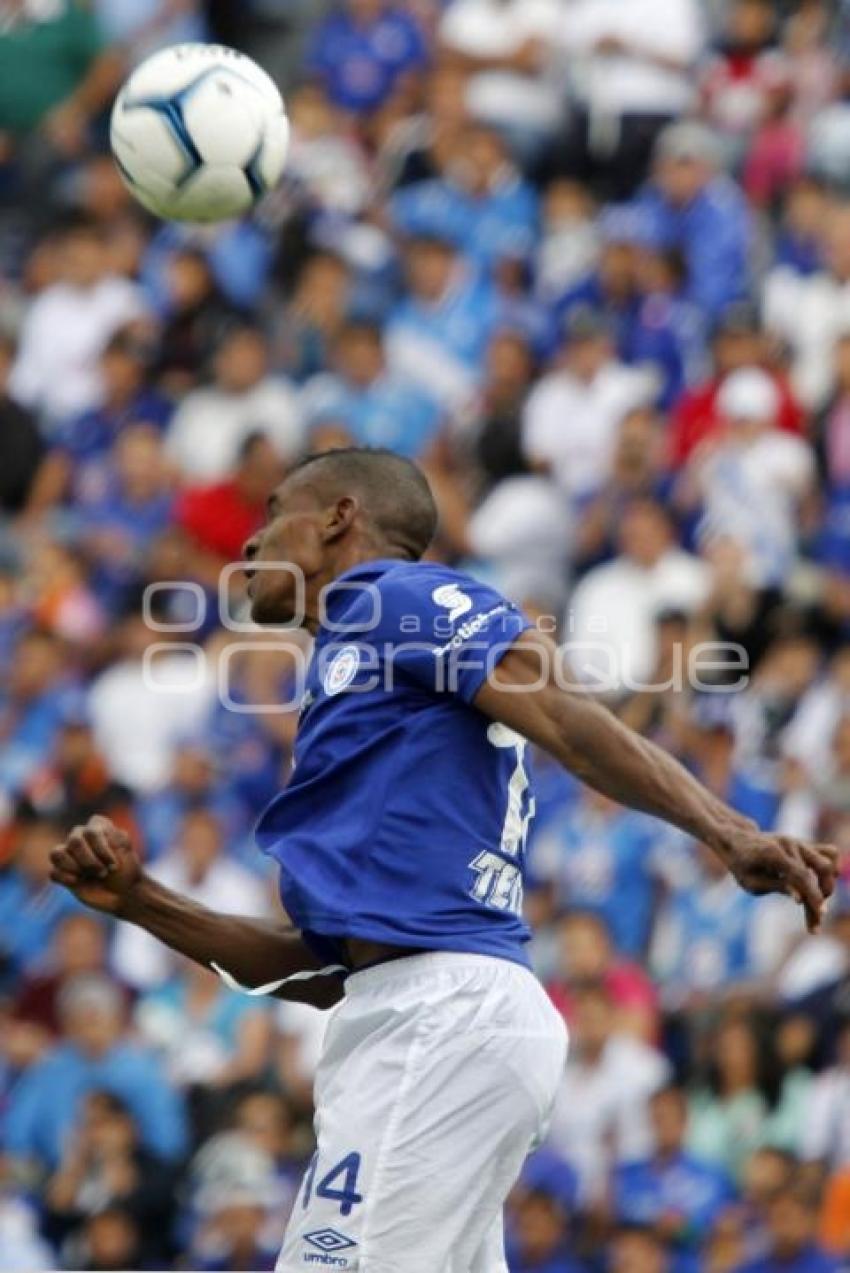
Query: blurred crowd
{"points": [[588, 262]]}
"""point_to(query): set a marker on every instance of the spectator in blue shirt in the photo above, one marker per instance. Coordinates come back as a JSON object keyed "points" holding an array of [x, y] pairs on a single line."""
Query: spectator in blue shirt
{"points": [[117, 529], [702, 213], [30, 707], [539, 1242], [74, 467], [596, 855], [252, 748], [521, 314], [636, 1248], [377, 408], [668, 333], [239, 254], [480, 203], [610, 288], [673, 1192], [799, 238], [791, 1221], [538, 1219], [47, 1099], [639, 286], [196, 782], [438, 335], [31, 909], [545, 1172], [704, 935], [365, 53]]}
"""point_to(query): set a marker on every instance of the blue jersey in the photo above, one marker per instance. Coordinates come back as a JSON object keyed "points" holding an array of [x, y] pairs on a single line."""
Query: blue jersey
{"points": [[695, 1191], [406, 816]]}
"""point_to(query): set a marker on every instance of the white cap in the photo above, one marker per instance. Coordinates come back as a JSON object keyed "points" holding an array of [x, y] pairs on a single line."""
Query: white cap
{"points": [[689, 140], [749, 394]]}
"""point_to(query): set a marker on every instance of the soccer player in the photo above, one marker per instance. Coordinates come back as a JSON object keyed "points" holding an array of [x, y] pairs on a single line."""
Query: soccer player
{"points": [[400, 840]]}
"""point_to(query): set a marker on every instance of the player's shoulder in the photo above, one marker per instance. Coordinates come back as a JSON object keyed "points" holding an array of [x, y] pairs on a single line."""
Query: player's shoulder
{"points": [[435, 586], [399, 600], [427, 601]]}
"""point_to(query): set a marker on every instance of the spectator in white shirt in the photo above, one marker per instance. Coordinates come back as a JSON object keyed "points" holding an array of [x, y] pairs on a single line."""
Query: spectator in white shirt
{"points": [[818, 801], [752, 477], [808, 739], [826, 1135], [611, 628], [211, 424], [141, 710], [572, 418], [811, 311], [67, 327], [602, 1114], [633, 72], [523, 532], [569, 243], [508, 46], [197, 867]]}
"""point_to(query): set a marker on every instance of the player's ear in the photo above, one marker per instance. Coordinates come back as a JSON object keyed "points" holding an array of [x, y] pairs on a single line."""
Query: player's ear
{"points": [[339, 518]]}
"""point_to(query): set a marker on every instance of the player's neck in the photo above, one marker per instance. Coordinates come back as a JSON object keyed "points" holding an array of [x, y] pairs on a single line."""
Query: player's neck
{"points": [[349, 557]]}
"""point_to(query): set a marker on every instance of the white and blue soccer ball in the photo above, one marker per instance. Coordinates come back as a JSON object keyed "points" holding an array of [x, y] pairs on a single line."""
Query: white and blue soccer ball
{"points": [[199, 133]]}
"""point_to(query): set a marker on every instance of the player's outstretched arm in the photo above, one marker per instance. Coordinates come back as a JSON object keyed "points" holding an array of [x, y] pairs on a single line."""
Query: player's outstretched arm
{"points": [[99, 865], [525, 693]]}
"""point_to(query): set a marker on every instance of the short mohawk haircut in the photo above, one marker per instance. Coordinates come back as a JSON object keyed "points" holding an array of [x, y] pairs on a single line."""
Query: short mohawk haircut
{"points": [[394, 492]]}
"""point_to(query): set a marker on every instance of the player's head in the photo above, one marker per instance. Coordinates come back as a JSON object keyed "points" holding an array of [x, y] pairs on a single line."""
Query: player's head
{"points": [[359, 353], [791, 1223], [82, 254], [91, 1013], [430, 262], [637, 1249], [241, 359], [331, 512], [766, 1173], [686, 158], [668, 1115]]}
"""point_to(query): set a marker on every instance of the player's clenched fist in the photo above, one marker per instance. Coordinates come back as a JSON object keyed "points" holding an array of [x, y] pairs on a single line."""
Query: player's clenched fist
{"points": [[99, 865]]}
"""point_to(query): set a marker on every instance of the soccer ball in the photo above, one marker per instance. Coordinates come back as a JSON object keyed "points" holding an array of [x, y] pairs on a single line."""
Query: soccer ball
{"points": [[199, 133]]}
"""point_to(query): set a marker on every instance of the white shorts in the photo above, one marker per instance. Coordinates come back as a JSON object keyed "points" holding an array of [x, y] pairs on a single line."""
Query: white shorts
{"points": [[438, 1074]]}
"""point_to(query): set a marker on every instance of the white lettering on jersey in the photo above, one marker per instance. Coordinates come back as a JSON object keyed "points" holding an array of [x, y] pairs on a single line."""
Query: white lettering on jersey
{"points": [[450, 597], [470, 629], [499, 882]]}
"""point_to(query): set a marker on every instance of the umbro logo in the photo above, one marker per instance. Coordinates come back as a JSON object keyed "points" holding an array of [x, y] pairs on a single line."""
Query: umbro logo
{"points": [[329, 1240]]}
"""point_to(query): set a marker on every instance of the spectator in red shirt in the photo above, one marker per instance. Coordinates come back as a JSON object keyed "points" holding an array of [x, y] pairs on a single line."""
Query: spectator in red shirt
{"points": [[832, 431], [739, 341], [221, 516], [777, 154], [739, 80], [79, 946], [586, 957]]}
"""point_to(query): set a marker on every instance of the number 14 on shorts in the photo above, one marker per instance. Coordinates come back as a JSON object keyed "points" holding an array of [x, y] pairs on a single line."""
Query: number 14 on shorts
{"points": [[337, 1185]]}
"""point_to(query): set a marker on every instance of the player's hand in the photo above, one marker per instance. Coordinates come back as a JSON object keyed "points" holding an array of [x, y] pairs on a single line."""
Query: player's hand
{"points": [[98, 864], [780, 864]]}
